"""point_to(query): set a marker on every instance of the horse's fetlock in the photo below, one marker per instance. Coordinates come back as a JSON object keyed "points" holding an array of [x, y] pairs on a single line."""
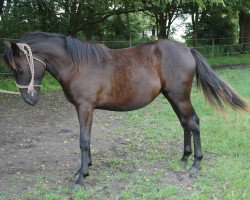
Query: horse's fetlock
{"points": [[84, 146], [198, 157], [187, 152]]}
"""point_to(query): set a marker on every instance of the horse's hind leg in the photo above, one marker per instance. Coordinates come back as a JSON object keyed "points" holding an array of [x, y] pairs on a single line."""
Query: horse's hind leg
{"points": [[190, 122], [187, 132]]}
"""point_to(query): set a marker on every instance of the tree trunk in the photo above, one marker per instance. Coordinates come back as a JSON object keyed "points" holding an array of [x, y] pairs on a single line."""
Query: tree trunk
{"points": [[195, 19], [153, 31], [244, 22], [89, 32], [74, 18], [162, 27], [7, 7], [157, 25], [1, 6], [170, 17]]}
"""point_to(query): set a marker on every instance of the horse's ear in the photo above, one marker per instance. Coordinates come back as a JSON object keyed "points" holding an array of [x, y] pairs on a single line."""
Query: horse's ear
{"points": [[13, 46], [15, 49], [7, 44]]}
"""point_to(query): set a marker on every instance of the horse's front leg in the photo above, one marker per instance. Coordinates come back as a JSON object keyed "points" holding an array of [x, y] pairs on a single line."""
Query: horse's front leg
{"points": [[85, 115]]}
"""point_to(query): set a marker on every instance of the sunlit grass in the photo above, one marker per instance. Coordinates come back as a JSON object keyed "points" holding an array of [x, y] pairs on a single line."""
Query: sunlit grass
{"points": [[48, 84], [229, 60]]}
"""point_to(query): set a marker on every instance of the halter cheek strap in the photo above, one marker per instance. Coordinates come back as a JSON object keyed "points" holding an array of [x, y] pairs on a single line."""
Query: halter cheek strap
{"points": [[30, 58]]}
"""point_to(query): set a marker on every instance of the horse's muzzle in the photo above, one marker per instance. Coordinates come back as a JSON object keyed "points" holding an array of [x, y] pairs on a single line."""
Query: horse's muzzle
{"points": [[30, 99]]}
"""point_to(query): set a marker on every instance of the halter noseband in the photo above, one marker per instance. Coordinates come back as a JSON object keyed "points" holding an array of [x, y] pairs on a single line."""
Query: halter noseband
{"points": [[30, 59]]}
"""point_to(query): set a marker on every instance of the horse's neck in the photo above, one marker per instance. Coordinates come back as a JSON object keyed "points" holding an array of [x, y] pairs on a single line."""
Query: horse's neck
{"points": [[61, 70], [58, 63]]}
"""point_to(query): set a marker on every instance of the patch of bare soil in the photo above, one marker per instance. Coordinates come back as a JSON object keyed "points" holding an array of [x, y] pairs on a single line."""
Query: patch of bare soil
{"points": [[43, 140]]}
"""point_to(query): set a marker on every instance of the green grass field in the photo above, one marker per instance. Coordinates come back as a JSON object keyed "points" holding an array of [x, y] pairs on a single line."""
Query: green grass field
{"points": [[225, 141], [229, 60], [48, 84], [156, 147]]}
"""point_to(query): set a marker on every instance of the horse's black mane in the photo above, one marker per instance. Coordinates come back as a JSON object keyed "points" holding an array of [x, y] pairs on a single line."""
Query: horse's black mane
{"points": [[81, 53], [87, 53]]}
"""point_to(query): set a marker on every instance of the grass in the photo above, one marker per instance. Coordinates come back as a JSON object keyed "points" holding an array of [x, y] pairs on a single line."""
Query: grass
{"points": [[48, 84], [150, 167], [229, 60]]}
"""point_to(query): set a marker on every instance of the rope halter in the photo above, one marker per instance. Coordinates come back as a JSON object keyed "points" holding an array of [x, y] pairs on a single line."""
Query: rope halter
{"points": [[30, 58]]}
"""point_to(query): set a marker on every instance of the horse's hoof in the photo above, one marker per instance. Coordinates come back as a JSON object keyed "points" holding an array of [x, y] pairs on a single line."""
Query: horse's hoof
{"points": [[76, 176], [184, 159], [193, 171], [78, 187]]}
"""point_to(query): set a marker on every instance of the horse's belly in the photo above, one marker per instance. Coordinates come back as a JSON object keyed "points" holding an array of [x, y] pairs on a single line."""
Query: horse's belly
{"points": [[129, 90], [128, 107], [128, 100]]}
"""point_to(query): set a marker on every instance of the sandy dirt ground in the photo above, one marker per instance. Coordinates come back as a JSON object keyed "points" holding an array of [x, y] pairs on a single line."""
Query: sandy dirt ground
{"points": [[44, 141]]}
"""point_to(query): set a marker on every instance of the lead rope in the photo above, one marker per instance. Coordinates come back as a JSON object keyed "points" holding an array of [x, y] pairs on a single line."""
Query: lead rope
{"points": [[30, 59]]}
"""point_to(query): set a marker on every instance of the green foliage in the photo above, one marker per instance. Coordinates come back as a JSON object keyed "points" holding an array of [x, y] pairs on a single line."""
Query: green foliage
{"points": [[222, 50], [213, 22], [98, 19], [122, 27], [66, 17], [20, 17], [238, 5]]}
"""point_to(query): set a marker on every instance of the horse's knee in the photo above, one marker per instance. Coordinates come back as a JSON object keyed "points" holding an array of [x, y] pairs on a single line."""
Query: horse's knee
{"points": [[184, 123]]}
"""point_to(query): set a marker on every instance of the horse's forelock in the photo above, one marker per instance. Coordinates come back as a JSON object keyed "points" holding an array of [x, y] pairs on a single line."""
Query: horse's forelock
{"points": [[9, 59]]}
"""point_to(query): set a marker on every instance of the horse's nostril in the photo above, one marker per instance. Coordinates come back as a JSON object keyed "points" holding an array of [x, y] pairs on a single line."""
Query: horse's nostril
{"points": [[32, 99], [30, 102]]}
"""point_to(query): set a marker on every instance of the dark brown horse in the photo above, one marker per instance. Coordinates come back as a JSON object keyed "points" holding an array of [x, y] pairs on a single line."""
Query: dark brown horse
{"points": [[95, 77]]}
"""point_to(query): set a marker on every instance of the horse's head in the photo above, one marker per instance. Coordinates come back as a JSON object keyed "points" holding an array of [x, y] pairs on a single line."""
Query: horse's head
{"points": [[27, 68]]}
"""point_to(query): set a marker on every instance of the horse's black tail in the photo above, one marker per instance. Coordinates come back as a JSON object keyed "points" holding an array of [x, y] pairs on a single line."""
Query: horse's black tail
{"points": [[216, 91]]}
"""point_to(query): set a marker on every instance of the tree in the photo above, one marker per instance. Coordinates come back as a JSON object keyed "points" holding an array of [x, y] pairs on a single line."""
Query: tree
{"points": [[86, 16], [164, 12], [67, 17], [20, 17], [211, 22], [244, 23], [46, 12], [1, 6], [241, 8]]}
